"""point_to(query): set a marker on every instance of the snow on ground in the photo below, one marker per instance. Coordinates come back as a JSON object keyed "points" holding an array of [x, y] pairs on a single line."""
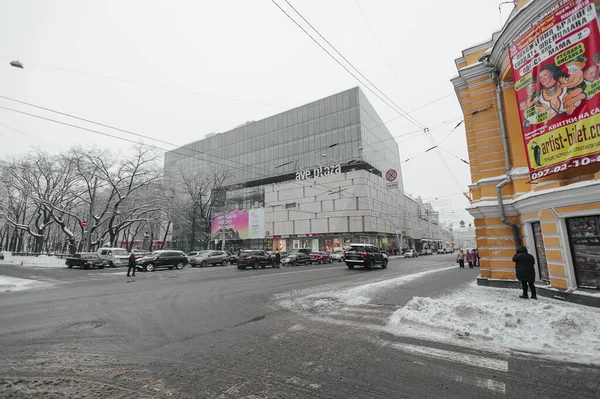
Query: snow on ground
{"points": [[331, 298], [38, 261], [495, 317], [19, 284]]}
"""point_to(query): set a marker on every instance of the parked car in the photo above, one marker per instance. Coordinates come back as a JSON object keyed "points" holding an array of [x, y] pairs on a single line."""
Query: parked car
{"points": [[233, 258], [162, 259], [137, 254], [296, 258], [305, 250], [208, 258], [254, 258], [411, 253], [365, 255], [85, 260], [114, 257], [428, 251], [320, 257], [449, 250], [338, 255]]}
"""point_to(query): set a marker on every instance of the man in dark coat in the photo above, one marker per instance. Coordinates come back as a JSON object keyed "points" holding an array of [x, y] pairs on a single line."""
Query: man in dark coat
{"points": [[277, 259], [131, 264], [524, 264]]}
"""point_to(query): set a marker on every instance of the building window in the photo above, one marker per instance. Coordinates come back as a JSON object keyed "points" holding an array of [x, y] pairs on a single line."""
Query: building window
{"points": [[540, 250], [584, 236]]}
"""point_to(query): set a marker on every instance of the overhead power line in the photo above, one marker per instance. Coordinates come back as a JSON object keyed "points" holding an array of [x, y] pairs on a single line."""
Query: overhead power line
{"points": [[375, 90], [153, 85]]}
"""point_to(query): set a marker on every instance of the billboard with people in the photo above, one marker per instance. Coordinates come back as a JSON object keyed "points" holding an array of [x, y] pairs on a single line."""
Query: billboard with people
{"points": [[240, 225], [555, 64]]}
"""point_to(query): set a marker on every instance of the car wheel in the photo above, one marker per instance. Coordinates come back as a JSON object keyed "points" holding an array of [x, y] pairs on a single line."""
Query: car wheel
{"points": [[179, 265], [369, 265], [70, 266], [384, 265], [263, 266], [224, 263], [112, 265], [193, 264], [350, 266], [149, 267], [204, 264]]}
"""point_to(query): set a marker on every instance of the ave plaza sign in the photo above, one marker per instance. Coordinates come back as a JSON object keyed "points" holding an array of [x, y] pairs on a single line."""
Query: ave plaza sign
{"points": [[318, 172]]}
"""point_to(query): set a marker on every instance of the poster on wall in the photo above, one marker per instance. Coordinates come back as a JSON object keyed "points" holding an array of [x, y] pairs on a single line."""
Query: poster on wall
{"points": [[256, 223], [235, 224], [555, 64]]}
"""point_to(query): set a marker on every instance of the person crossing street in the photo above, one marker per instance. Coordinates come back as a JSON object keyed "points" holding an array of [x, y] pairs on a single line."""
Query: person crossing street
{"points": [[131, 265]]}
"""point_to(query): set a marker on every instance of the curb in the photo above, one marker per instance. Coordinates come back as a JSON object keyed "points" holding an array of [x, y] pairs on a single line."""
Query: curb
{"points": [[546, 292]]}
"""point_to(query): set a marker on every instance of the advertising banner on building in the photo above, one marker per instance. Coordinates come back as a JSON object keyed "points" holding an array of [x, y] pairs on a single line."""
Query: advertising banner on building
{"points": [[256, 223], [235, 224], [555, 64], [240, 225]]}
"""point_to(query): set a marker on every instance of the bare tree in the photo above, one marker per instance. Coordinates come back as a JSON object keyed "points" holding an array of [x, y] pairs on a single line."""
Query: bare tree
{"points": [[201, 193]]}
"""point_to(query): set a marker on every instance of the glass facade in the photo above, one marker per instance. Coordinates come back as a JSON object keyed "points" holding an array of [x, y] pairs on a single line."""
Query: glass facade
{"points": [[337, 129]]}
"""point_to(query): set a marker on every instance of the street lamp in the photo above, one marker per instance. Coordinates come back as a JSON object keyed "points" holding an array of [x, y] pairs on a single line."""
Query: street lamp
{"points": [[16, 64]]}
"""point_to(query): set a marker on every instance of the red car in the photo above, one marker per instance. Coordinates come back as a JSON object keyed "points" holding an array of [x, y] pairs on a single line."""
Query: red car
{"points": [[320, 257]]}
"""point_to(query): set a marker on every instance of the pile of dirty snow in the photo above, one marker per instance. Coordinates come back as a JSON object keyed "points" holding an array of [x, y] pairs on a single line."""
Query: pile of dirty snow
{"points": [[498, 317], [19, 284], [331, 298], [37, 261]]}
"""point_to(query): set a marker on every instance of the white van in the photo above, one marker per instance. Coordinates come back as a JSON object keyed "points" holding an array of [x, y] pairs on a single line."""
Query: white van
{"points": [[114, 257]]}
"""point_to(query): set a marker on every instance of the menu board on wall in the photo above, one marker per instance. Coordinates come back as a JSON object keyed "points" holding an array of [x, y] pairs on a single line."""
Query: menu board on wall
{"points": [[585, 246], [540, 251]]}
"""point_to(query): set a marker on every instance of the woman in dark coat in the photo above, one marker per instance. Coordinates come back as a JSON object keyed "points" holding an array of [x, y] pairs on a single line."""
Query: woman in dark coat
{"points": [[524, 264]]}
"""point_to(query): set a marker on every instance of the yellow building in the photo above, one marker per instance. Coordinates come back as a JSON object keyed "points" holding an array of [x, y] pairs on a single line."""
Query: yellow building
{"points": [[552, 208]]}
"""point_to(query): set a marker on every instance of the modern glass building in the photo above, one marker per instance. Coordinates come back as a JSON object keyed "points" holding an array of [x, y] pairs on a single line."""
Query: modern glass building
{"points": [[317, 170]]}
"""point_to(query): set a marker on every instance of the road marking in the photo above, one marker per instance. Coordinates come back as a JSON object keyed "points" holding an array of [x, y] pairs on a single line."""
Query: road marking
{"points": [[297, 271], [368, 311], [456, 357], [492, 385]]}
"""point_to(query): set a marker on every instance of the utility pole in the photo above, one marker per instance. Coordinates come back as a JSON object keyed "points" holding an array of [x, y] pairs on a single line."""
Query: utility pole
{"points": [[91, 215]]}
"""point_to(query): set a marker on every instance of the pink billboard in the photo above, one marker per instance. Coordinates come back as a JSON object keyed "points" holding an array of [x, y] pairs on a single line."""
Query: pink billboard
{"points": [[235, 224]]}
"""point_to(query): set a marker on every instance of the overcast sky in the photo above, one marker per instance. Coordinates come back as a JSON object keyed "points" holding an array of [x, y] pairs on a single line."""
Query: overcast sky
{"points": [[207, 66]]}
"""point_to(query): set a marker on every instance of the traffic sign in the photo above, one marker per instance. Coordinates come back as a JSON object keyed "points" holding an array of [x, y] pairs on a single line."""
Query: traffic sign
{"points": [[83, 223], [267, 233], [391, 184], [391, 175]]}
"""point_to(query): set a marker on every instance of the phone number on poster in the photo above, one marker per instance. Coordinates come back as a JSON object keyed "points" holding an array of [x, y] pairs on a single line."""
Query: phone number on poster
{"points": [[573, 163]]}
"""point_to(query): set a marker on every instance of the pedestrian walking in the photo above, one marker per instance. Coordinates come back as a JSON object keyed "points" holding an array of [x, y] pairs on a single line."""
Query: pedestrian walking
{"points": [[277, 259], [524, 265], [475, 257], [469, 259], [131, 264], [460, 259]]}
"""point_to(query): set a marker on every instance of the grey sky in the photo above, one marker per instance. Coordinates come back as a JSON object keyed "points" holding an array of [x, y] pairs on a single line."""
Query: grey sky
{"points": [[249, 61]]}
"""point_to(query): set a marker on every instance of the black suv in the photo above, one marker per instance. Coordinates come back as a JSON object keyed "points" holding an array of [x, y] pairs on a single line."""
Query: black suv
{"points": [[162, 259], [365, 255], [254, 259]]}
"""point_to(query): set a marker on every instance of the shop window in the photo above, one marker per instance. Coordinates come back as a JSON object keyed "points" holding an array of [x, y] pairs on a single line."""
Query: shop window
{"points": [[540, 251], [584, 236]]}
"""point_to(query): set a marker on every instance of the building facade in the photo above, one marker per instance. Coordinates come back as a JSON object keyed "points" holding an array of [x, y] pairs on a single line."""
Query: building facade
{"points": [[529, 100], [319, 176]]}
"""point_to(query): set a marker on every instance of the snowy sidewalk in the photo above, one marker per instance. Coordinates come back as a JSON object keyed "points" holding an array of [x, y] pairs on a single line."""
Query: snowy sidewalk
{"points": [[36, 261], [489, 318], [19, 284]]}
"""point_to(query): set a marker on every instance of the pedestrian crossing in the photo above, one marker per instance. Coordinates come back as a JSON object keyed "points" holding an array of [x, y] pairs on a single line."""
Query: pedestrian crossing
{"points": [[375, 318]]}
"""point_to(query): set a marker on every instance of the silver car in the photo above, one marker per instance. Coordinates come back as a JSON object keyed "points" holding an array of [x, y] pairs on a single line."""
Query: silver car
{"points": [[209, 258]]}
